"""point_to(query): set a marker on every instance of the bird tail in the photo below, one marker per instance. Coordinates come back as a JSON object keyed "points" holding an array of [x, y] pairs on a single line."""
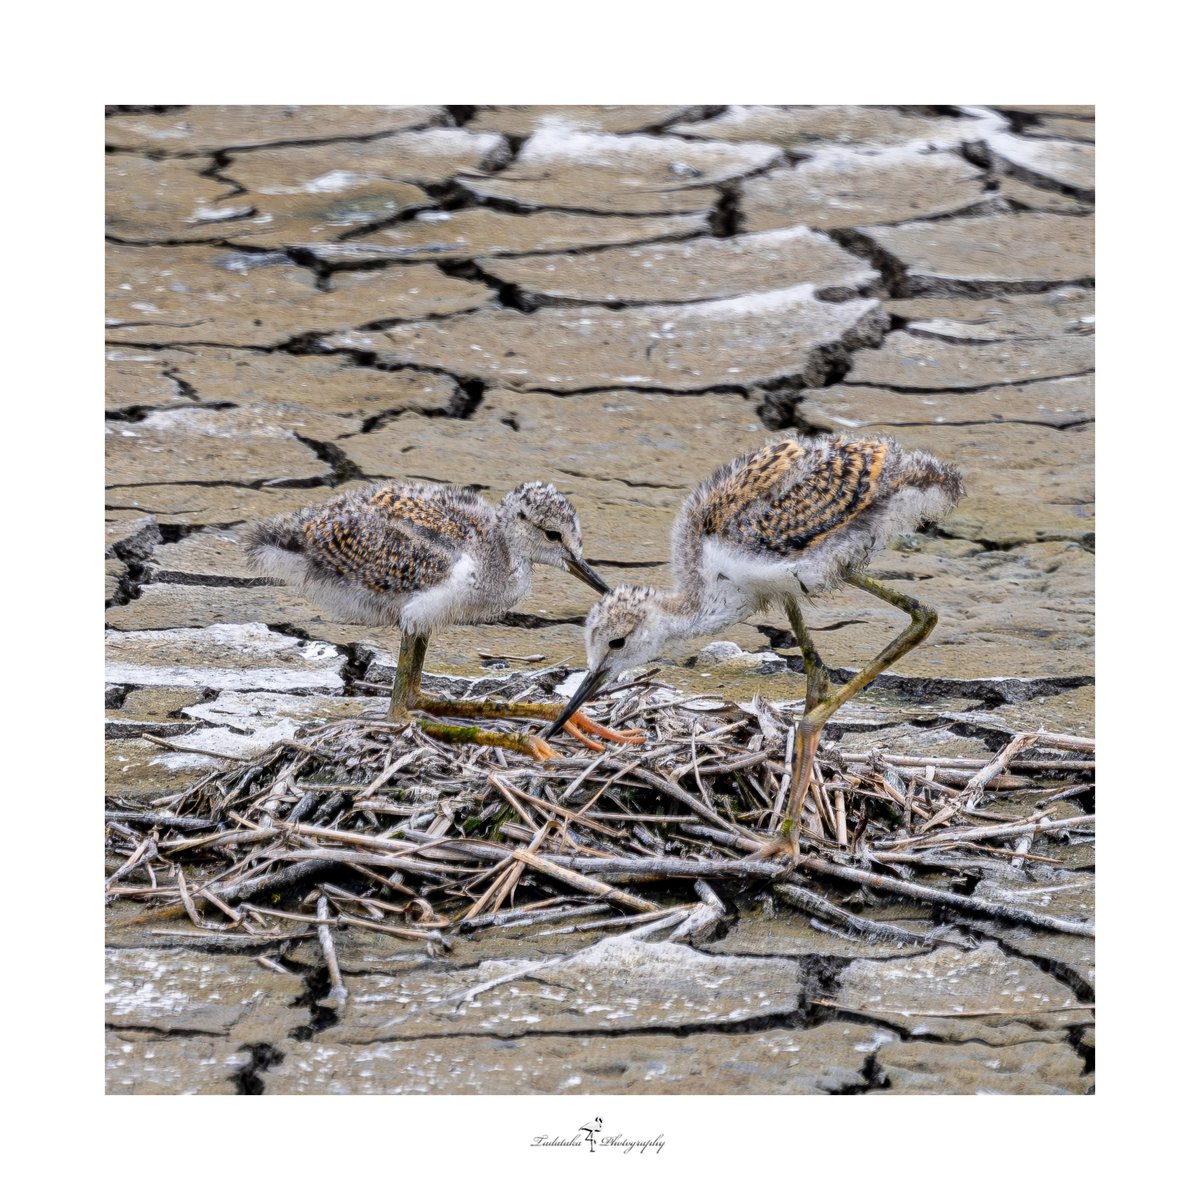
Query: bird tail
{"points": [[927, 474], [271, 544]]}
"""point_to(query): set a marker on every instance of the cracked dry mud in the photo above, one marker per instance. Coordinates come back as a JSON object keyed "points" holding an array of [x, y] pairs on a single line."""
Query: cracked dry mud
{"points": [[614, 299]]}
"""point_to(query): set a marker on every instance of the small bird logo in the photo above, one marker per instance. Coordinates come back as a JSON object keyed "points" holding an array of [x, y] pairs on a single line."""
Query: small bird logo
{"points": [[590, 1131]]}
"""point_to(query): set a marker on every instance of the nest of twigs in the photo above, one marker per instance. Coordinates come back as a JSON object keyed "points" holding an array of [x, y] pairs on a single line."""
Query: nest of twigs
{"points": [[370, 824]]}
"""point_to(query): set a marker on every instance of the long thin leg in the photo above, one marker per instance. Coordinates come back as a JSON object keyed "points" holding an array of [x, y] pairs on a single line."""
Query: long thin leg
{"points": [[818, 687], [579, 724], [406, 695], [816, 676], [409, 664], [922, 620]]}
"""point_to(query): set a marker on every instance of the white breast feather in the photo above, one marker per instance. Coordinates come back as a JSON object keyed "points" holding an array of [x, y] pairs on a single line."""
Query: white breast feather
{"points": [[454, 600]]}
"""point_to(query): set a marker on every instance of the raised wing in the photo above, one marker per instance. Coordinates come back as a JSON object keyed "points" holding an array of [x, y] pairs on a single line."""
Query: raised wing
{"points": [[789, 496]]}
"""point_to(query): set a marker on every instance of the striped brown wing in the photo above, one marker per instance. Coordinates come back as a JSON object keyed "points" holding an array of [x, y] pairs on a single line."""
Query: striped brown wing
{"points": [[420, 512], [380, 548], [790, 496]]}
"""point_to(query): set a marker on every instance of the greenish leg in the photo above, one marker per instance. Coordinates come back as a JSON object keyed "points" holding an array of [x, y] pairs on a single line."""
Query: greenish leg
{"points": [[461, 735], [822, 704], [409, 663], [816, 676], [406, 695], [578, 724], [818, 687]]}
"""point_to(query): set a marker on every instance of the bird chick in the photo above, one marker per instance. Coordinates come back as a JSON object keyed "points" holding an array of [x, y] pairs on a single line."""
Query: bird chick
{"points": [[791, 520], [422, 557]]}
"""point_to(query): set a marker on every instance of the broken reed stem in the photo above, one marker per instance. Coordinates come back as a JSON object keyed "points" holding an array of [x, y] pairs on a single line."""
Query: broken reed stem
{"points": [[962, 765], [526, 916], [809, 902], [584, 884], [917, 891], [337, 989], [988, 832], [972, 794]]}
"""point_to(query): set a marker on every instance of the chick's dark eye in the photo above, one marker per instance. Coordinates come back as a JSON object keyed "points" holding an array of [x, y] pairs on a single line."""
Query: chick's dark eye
{"points": [[616, 644], [554, 535]]}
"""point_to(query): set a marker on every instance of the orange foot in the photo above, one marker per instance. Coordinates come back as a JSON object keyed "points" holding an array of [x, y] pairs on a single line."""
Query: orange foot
{"points": [[580, 726], [536, 748]]}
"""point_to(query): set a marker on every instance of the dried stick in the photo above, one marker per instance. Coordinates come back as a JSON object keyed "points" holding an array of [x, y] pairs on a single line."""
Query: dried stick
{"points": [[584, 884], [621, 922], [146, 848], [337, 991], [285, 877], [164, 820], [972, 794], [195, 750], [986, 832], [525, 916], [809, 902], [916, 891]]}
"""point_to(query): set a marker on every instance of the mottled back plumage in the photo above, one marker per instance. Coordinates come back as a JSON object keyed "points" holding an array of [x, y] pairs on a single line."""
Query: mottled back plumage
{"points": [[842, 496], [789, 496], [419, 555]]}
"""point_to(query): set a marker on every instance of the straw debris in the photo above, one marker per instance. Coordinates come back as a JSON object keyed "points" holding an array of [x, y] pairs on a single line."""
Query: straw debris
{"points": [[374, 825]]}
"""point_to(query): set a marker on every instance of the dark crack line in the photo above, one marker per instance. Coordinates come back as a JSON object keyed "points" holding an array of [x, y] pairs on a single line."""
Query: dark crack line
{"points": [[188, 579], [1058, 425], [630, 483], [263, 1056], [218, 239], [965, 390], [1064, 973], [513, 385], [1086, 539], [1075, 1036], [936, 287], [992, 692], [617, 562], [114, 1027], [995, 162], [221, 160], [778, 1021], [529, 621], [913, 329], [697, 112], [253, 485], [507, 295], [307, 342], [530, 300], [391, 257], [522, 208], [137, 413]]}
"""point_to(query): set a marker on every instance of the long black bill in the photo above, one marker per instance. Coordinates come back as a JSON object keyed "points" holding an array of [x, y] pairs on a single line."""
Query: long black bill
{"points": [[591, 684], [583, 572]]}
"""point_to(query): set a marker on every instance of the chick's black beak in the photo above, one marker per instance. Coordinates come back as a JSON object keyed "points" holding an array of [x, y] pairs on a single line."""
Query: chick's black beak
{"points": [[579, 568], [591, 684]]}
